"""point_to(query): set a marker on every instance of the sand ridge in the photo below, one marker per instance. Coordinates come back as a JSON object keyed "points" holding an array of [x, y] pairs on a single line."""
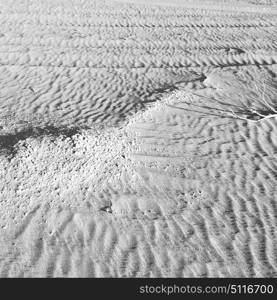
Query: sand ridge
{"points": [[141, 170]]}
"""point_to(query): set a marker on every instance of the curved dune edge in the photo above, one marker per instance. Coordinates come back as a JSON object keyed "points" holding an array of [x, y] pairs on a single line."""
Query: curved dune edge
{"points": [[172, 200]]}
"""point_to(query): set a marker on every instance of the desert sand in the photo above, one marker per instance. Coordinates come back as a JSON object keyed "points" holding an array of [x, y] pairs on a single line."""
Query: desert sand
{"points": [[138, 138]]}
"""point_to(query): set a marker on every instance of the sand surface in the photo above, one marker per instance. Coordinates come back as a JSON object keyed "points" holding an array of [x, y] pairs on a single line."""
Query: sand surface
{"points": [[138, 138]]}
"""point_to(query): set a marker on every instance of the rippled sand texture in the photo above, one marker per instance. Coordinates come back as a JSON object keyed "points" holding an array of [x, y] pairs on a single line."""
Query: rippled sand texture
{"points": [[119, 156]]}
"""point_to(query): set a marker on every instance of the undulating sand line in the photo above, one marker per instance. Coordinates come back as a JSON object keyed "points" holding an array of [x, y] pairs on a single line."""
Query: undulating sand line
{"points": [[142, 172]]}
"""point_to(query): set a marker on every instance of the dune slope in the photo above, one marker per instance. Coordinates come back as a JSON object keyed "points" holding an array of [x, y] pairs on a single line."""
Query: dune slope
{"points": [[135, 140]]}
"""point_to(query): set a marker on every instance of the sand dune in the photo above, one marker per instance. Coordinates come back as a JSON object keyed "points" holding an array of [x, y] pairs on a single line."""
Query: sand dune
{"points": [[119, 152]]}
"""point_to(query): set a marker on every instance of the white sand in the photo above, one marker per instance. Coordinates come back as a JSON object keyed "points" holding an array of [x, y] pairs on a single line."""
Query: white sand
{"points": [[135, 176]]}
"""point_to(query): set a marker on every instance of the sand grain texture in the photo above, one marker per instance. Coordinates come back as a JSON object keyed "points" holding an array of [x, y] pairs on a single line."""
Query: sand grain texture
{"points": [[118, 153]]}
